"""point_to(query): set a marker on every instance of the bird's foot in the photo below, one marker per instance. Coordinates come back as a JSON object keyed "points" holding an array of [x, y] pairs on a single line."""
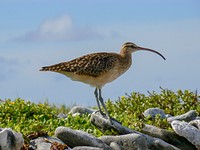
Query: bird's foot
{"points": [[100, 112], [110, 119]]}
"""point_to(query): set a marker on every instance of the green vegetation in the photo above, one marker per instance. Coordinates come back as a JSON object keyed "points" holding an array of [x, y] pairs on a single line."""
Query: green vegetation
{"points": [[129, 109], [27, 117]]}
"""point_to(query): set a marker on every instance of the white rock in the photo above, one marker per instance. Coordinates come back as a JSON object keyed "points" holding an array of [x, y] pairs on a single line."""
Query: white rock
{"points": [[190, 115], [62, 116], [115, 146], [153, 112], [195, 123], [168, 136], [188, 131], [75, 138], [126, 142], [152, 142], [86, 148], [45, 143], [10, 140], [197, 118], [80, 110]]}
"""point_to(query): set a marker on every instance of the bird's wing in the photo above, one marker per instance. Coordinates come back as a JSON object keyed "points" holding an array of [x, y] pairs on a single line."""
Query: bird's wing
{"points": [[93, 64]]}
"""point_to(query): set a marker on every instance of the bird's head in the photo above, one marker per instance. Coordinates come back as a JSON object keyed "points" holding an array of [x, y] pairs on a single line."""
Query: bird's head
{"points": [[128, 48]]}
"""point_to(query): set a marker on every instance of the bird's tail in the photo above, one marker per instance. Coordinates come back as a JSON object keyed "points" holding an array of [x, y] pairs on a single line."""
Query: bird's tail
{"points": [[45, 69], [48, 68], [55, 68]]}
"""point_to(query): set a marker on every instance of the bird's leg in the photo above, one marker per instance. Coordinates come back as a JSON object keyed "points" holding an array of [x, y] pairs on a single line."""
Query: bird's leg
{"points": [[104, 106], [97, 99]]}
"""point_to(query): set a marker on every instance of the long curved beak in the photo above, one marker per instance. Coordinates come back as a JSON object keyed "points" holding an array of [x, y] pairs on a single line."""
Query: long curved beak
{"points": [[151, 50]]}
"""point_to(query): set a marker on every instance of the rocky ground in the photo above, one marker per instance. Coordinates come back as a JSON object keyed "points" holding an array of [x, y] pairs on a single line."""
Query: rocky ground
{"points": [[186, 135]]}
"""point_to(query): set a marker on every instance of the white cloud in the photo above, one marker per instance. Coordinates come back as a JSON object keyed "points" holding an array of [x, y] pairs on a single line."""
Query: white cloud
{"points": [[60, 28]]}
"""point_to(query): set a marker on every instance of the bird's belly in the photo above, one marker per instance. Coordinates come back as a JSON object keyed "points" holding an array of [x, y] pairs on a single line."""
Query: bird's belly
{"points": [[98, 81]]}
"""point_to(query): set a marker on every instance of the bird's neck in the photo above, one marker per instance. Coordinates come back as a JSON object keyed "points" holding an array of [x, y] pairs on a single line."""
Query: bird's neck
{"points": [[126, 57], [125, 54]]}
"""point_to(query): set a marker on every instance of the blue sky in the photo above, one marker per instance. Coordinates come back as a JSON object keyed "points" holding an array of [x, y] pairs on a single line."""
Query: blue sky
{"points": [[38, 33]]}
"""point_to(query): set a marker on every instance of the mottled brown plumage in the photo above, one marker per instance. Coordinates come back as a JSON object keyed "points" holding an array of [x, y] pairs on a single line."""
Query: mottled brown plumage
{"points": [[97, 69], [92, 65]]}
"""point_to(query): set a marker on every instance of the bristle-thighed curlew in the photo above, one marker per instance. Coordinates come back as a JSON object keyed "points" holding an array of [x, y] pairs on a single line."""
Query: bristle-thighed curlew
{"points": [[97, 69]]}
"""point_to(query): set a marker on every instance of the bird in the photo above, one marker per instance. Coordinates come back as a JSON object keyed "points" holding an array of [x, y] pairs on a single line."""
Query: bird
{"points": [[98, 69]]}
